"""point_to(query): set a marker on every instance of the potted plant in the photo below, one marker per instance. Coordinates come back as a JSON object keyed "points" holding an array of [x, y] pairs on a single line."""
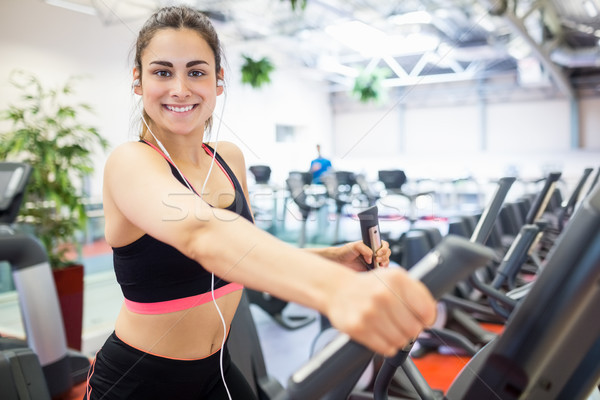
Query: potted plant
{"points": [[48, 134], [368, 86], [294, 4], [256, 72]]}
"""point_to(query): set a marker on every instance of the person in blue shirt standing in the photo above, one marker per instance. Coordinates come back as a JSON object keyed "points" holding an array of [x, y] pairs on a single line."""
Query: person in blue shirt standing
{"points": [[319, 166]]}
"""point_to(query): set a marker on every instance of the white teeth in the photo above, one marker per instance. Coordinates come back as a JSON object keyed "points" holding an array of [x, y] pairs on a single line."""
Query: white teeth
{"points": [[179, 109]]}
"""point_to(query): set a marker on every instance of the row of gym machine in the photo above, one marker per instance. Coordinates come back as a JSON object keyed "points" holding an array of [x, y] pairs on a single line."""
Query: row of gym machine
{"points": [[339, 195], [420, 213], [535, 273]]}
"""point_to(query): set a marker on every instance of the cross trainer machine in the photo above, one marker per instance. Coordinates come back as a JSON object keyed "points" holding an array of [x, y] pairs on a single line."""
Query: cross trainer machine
{"points": [[548, 350], [40, 367], [330, 373]]}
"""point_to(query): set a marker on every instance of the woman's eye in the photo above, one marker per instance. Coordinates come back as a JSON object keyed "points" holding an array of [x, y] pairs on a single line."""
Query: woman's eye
{"points": [[163, 73], [196, 73]]}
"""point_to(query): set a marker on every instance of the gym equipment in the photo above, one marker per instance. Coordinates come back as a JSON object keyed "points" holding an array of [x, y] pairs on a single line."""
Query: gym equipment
{"points": [[460, 329], [369, 230], [550, 345], [567, 211], [40, 309], [594, 182], [272, 305], [275, 307], [261, 173], [394, 180], [452, 260], [549, 348], [543, 198], [246, 352], [365, 189], [333, 181], [21, 376], [263, 199], [306, 204]]}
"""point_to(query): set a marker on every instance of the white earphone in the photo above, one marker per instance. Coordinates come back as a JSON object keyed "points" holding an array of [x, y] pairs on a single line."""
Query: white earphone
{"points": [[220, 82]]}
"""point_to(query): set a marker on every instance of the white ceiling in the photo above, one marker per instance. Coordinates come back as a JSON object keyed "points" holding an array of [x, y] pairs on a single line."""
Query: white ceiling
{"points": [[547, 44]]}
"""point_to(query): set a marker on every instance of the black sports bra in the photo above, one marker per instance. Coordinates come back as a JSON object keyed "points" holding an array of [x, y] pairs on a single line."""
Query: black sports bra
{"points": [[156, 278]]}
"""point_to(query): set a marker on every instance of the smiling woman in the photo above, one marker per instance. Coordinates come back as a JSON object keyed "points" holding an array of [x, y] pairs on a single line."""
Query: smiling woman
{"points": [[185, 245], [172, 85]]}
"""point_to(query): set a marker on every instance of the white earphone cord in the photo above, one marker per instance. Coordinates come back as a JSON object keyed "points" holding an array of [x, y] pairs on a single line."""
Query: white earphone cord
{"points": [[212, 283]]}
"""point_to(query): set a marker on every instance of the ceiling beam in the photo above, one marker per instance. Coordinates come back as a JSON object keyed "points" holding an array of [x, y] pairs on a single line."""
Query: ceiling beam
{"points": [[517, 25]]}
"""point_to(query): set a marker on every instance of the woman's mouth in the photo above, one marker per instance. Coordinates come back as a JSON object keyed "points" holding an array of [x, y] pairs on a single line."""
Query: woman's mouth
{"points": [[180, 109]]}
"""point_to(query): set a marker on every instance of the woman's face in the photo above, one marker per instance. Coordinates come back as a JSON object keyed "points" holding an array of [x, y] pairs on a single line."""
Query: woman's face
{"points": [[178, 82]]}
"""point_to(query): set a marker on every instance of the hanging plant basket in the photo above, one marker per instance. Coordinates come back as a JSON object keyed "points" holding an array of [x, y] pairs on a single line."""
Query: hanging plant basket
{"points": [[369, 86], [256, 73], [296, 3]]}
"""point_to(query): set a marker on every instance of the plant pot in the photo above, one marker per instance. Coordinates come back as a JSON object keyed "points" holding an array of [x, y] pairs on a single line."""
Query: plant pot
{"points": [[69, 286]]}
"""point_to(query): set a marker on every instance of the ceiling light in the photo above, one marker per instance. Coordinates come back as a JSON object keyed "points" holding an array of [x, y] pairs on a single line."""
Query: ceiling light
{"points": [[590, 8], [81, 8], [330, 64], [372, 42], [358, 36], [416, 17], [415, 43]]}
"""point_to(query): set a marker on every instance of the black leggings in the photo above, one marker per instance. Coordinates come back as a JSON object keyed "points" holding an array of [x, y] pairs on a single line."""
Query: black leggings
{"points": [[120, 371]]}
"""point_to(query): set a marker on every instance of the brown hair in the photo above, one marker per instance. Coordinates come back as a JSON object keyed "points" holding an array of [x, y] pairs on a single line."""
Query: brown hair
{"points": [[177, 17]]}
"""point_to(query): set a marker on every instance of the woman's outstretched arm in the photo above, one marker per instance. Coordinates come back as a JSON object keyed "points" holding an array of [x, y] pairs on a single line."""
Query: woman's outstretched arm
{"points": [[381, 309]]}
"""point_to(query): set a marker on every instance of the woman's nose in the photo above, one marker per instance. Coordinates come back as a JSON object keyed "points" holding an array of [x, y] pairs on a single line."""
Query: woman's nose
{"points": [[180, 87]]}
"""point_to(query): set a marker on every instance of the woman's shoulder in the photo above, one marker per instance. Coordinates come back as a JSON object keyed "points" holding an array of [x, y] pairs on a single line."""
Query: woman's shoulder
{"points": [[232, 154], [228, 150], [129, 146], [132, 148], [225, 147], [132, 154]]}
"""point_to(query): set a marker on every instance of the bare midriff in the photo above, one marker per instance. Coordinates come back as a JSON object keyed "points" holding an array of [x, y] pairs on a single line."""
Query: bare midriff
{"points": [[187, 334]]}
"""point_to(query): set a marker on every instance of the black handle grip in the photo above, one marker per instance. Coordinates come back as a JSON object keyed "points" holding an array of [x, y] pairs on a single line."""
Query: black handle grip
{"points": [[488, 218], [541, 201], [369, 219], [452, 260], [513, 259]]}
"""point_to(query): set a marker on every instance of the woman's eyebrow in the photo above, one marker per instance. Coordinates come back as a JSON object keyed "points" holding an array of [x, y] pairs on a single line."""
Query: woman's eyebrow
{"points": [[196, 62], [188, 65], [163, 63]]}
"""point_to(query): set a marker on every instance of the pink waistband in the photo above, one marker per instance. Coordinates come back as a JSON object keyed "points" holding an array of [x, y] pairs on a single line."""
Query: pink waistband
{"points": [[169, 306]]}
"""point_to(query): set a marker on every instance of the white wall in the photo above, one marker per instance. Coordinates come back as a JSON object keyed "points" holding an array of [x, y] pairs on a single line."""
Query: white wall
{"points": [[528, 127], [483, 140], [250, 115], [590, 123]]}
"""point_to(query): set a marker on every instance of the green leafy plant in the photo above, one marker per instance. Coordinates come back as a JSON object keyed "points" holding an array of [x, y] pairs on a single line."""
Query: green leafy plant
{"points": [[256, 72], [369, 86], [47, 133], [295, 4]]}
